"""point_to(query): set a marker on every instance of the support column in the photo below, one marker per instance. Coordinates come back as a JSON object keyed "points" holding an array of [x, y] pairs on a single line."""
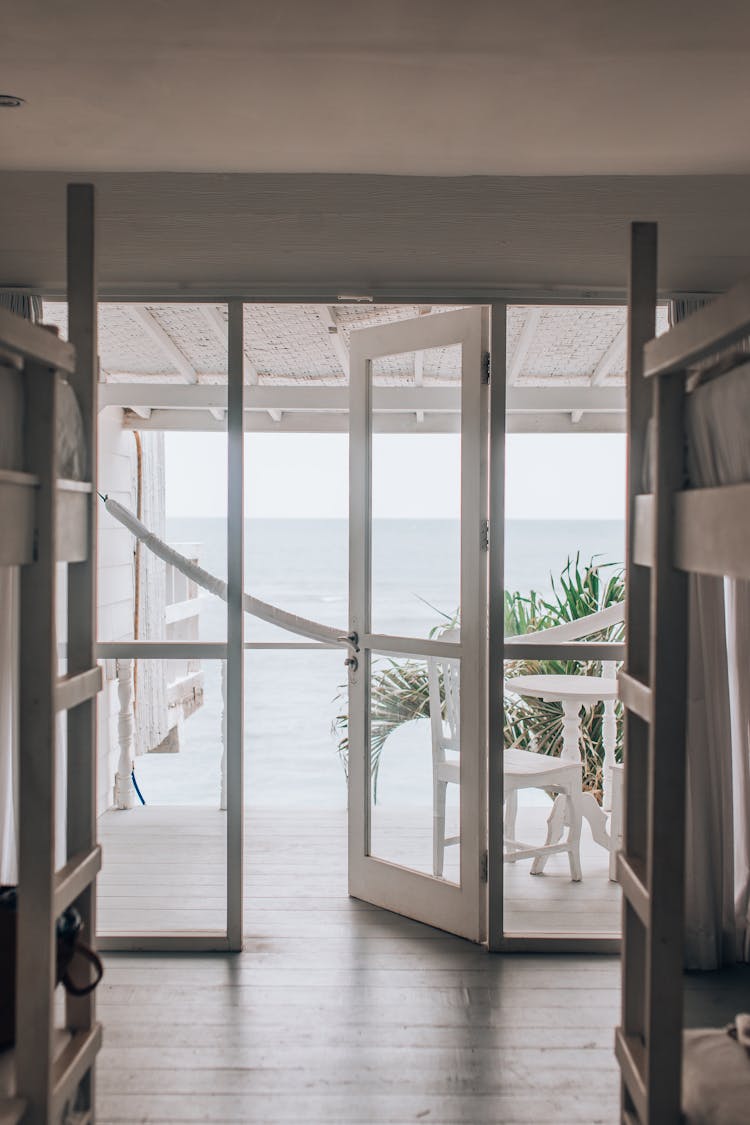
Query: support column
{"points": [[124, 791]]}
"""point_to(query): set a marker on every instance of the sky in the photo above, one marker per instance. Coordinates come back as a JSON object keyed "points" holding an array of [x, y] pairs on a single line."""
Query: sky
{"points": [[549, 476]]}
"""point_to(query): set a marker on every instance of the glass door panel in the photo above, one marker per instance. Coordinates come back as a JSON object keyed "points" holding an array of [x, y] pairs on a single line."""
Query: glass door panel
{"points": [[417, 606]]}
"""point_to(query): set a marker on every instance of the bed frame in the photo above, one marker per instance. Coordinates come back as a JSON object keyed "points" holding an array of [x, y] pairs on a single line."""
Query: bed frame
{"points": [[672, 533], [44, 519]]}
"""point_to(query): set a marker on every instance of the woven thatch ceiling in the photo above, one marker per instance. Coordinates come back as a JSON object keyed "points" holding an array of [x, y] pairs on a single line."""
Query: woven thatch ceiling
{"points": [[293, 344]]}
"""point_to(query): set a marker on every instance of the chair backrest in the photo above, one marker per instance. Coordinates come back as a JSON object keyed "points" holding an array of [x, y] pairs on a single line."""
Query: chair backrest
{"points": [[443, 674]]}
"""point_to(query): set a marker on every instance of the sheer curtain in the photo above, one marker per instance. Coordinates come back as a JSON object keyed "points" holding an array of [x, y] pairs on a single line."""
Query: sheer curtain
{"points": [[10, 458], [718, 744], [8, 722]]}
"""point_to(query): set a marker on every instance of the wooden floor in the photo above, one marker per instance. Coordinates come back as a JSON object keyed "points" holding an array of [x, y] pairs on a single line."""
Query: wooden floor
{"points": [[335, 1011], [165, 871]]}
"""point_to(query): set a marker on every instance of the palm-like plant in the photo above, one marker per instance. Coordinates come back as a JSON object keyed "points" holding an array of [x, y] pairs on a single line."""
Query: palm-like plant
{"points": [[532, 723], [400, 691]]}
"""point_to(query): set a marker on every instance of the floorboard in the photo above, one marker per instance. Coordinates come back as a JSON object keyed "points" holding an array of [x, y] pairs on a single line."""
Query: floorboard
{"points": [[165, 870], [335, 1012]]}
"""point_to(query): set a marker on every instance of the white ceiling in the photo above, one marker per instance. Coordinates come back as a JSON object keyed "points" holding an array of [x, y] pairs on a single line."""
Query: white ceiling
{"points": [[428, 87]]}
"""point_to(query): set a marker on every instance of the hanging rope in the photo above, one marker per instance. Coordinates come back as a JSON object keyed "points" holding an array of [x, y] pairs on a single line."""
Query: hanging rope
{"points": [[291, 622]]}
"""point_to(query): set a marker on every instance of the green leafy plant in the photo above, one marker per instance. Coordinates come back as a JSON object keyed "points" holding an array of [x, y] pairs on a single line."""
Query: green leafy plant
{"points": [[532, 723], [400, 690]]}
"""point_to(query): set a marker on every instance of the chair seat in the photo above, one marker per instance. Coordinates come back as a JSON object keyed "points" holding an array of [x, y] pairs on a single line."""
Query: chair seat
{"points": [[448, 771], [524, 766]]}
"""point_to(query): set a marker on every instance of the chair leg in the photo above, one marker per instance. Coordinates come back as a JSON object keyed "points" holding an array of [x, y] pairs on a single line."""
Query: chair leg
{"points": [[509, 820], [555, 829], [438, 827], [575, 818]]}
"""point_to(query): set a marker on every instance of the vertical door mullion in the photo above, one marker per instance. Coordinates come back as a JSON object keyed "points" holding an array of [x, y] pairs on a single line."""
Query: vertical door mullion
{"points": [[496, 615], [472, 789], [235, 623], [360, 533]]}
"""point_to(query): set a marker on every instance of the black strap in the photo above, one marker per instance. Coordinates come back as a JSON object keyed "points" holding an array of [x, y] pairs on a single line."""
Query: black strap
{"points": [[93, 959]]}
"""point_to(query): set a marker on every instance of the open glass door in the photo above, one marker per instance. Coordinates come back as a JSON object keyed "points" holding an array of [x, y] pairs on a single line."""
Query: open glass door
{"points": [[417, 795]]}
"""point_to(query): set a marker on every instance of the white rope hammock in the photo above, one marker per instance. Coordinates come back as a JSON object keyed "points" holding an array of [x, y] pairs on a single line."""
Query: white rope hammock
{"points": [[301, 626]]}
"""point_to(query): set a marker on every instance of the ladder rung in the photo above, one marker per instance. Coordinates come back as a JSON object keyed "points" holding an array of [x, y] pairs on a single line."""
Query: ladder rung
{"points": [[634, 887], [75, 876], [631, 1057], [72, 690], [636, 696], [73, 1063]]}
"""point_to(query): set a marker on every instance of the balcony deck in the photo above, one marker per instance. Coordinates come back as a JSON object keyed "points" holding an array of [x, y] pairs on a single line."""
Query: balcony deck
{"points": [[165, 871]]}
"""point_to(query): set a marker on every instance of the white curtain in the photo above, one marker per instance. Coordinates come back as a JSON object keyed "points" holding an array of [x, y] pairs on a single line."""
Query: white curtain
{"points": [[9, 598], [718, 744]]}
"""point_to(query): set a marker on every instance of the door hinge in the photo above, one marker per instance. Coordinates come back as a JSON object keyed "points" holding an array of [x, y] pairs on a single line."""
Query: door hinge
{"points": [[486, 367], [484, 535], [484, 867]]}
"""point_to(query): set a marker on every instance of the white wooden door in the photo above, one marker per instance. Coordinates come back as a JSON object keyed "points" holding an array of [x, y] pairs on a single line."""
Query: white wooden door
{"points": [[404, 573]]}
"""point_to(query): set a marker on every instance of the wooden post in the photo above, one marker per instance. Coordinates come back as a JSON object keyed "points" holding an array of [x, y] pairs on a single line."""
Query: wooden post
{"points": [[82, 580], [36, 958], [641, 328], [124, 791], [235, 624]]}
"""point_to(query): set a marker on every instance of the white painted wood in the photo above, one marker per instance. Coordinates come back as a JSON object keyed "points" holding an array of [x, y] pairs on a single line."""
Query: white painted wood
{"points": [[218, 326], [520, 400], [613, 356], [519, 648], [460, 909], [124, 796], [223, 767], [328, 316], [393, 422], [161, 650], [145, 320], [498, 389], [525, 341]]}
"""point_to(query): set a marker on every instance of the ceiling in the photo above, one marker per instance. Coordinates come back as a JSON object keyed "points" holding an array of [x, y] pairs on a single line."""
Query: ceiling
{"points": [[432, 88], [165, 365]]}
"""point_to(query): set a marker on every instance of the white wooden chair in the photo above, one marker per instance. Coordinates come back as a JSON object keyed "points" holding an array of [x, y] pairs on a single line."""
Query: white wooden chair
{"points": [[522, 769]]}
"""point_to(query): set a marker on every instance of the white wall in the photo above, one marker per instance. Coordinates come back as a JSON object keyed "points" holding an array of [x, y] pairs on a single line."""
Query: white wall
{"points": [[115, 590]]}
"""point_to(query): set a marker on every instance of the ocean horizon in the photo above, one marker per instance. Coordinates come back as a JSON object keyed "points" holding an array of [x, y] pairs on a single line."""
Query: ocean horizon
{"points": [[293, 697]]}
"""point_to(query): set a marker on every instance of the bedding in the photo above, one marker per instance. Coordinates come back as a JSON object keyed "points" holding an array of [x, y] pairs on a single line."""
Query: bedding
{"points": [[715, 1077], [72, 459]]}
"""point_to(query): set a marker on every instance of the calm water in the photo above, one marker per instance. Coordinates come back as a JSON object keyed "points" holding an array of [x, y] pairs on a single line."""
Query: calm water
{"points": [[290, 697]]}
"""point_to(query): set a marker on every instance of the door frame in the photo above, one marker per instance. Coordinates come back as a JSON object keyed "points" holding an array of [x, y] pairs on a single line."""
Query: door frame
{"points": [[497, 299]]}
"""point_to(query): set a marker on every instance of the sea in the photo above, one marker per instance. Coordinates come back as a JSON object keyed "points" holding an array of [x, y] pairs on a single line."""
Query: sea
{"points": [[292, 698]]}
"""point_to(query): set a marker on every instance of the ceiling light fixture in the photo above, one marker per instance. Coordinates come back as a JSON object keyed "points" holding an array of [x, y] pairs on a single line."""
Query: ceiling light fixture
{"points": [[11, 101]]}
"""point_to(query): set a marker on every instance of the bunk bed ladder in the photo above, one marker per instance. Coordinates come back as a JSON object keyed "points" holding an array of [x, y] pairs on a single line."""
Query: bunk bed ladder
{"points": [[53, 1068], [653, 691]]}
